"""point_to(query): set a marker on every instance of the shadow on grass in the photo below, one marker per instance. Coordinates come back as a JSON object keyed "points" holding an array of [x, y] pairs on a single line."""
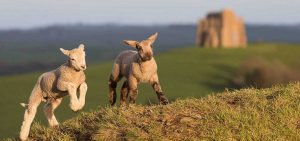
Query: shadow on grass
{"points": [[220, 81], [155, 101]]}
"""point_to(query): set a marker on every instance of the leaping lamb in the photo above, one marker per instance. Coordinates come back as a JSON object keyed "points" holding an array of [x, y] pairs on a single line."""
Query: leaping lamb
{"points": [[52, 86], [138, 67]]}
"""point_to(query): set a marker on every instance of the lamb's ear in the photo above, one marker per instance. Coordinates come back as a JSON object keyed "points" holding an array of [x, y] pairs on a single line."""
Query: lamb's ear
{"points": [[81, 46], [66, 52], [152, 38], [131, 43]]}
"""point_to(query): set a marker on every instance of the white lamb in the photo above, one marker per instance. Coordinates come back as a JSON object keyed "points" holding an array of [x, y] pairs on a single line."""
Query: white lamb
{"points": [[52, 86], [137, 67]]}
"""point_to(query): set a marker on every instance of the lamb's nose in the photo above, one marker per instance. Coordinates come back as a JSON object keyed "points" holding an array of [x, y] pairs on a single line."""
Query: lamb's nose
{"points": [[83, 67]]}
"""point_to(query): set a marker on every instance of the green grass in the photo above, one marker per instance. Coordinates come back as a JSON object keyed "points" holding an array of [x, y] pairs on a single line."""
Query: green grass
{"points": [[187, 72], [247, 114]]}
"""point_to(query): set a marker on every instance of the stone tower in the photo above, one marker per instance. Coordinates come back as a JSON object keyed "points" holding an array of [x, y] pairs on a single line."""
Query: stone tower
{"points": [[221, 29]]}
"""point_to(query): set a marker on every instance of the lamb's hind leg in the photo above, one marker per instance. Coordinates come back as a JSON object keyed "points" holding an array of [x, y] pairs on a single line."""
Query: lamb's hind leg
{"points": [[112, 95], [133, 91], [49, 108], [124, 94], [34, 101]]}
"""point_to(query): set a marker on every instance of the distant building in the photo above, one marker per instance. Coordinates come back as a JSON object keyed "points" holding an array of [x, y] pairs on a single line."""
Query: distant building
{"points": [[221, 29]]}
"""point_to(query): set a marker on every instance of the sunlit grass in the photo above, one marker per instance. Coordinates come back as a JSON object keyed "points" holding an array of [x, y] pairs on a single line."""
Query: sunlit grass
{"points": [[247, 114]]}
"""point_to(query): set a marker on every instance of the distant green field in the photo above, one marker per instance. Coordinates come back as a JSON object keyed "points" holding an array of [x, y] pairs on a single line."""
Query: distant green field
{"points": [[186, 72]]}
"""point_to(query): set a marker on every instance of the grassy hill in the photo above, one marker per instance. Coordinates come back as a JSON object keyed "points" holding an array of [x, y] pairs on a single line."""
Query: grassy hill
{"points": [[186, 72], [247, 114]]}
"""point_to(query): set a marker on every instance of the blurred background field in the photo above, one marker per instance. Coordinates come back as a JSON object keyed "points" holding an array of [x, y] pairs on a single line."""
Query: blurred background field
{"points": [[24, 50], [184, 72]]}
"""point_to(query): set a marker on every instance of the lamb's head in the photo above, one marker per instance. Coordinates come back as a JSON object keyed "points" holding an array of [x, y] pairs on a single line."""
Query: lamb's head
{"points": [[144, 47], [76, 57]]}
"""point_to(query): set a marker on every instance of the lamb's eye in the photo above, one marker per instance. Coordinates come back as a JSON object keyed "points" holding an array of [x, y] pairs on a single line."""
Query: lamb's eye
{"points": [[72, 59]]}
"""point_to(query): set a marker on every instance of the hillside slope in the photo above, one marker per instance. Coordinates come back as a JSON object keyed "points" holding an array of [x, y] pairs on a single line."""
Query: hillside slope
{"points": [[247, 114]]}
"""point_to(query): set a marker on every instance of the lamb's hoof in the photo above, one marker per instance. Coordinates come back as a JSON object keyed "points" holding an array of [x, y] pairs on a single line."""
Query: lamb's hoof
{"points": [[56, 125], [112, 103], [23, 139], [122, 106], [75, 110], [164, 101], [131, 105]]}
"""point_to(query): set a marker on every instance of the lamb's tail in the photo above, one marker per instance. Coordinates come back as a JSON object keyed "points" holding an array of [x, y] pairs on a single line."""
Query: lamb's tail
{"points": [[36, 92], [24, 105]]}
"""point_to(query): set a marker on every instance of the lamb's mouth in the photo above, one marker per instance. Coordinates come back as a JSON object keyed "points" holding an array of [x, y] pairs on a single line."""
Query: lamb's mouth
{"points": [[146, 58], [77, 69]]}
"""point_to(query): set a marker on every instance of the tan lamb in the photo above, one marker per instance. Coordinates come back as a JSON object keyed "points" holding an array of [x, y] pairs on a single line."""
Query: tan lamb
{"points": [[137, 67], [52, 86]]}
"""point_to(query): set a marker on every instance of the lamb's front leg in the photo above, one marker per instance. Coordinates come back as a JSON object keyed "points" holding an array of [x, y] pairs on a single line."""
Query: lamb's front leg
{"points": [[74, 102], [133, 91], [71, 89], [82, 92], [157, 88], [162, 98]]}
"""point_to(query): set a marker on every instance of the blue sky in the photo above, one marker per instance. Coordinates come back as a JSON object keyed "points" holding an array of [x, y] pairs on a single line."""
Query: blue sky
{"points": [[37, 13]]}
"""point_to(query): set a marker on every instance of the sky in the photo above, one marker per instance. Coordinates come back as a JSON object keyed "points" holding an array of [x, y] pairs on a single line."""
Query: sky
{"points": [[24, 14]]}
